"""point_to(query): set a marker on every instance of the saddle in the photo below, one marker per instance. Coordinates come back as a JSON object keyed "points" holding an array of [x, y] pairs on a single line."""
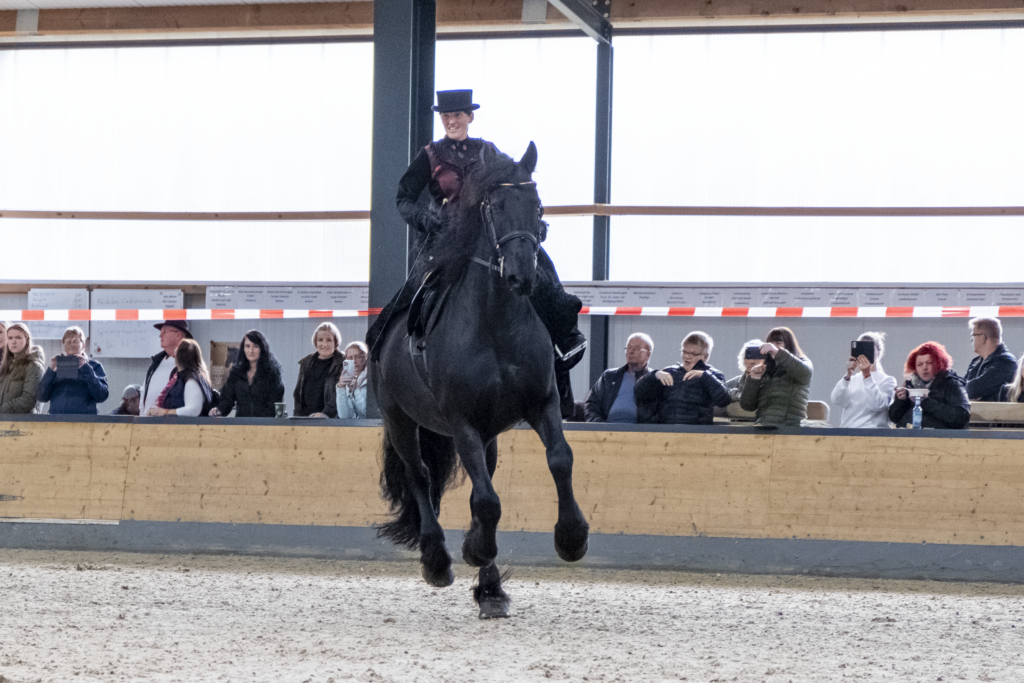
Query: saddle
{"points": [[424, 313]]}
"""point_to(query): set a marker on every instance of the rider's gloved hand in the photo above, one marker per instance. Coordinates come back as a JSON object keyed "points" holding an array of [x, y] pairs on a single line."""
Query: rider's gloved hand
{"points": [[429, 222]]}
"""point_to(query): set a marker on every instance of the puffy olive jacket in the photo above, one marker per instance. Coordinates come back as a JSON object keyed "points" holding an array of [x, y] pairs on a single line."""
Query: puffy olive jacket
{"points": [[19, 388], [780, 399]]}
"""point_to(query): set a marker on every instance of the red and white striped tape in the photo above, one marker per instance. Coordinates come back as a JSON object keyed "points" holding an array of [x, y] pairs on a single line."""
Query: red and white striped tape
{"points": [[158, 314], [817, 312], [105, 315]]}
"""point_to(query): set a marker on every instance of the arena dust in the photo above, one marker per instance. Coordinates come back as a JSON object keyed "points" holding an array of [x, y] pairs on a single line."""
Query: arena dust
{"points": [[70, 616]]}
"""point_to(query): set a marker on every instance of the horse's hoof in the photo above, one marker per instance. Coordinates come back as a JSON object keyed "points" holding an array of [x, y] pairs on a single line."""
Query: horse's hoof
{"points": [[441, 579], [494, 608], [572, 546]]}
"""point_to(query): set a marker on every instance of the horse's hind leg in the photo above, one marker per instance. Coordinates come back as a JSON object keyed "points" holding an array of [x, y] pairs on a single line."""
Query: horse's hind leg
{"points": [[480, 545], [571, 531], [434, 556]]}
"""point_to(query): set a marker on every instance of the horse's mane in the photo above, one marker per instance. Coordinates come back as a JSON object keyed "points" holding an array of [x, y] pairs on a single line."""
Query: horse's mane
{"points": [[457, 241]]}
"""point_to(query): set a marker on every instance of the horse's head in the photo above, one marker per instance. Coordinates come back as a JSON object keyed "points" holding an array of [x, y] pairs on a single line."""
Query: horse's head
{"points": [[513, 225]]}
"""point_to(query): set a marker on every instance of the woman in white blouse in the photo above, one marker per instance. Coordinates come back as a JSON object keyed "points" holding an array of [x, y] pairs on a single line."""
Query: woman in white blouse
{"points": [[866, 391]]}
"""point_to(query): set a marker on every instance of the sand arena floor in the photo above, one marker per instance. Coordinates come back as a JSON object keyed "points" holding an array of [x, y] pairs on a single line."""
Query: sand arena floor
{"points": [[126, 617]]}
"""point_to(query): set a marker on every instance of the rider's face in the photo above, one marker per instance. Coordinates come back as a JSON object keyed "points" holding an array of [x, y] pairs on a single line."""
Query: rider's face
{"points": [[456, 124]]}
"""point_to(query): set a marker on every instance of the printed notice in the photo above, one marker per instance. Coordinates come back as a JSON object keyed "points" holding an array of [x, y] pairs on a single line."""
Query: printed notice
{"points": [[874, 298], [976, 297], [908, 297], [651, 297], [941, 297], [709, 298], [283, 298], [1009, 297], [810, 297], [742, 298], [105, 299], [612, 297], [346, 298], [776, 298], [842, 298], [588, 295]]}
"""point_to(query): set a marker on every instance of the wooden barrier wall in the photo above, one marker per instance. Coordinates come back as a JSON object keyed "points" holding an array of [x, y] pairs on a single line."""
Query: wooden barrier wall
{"points": [[817, 486]]}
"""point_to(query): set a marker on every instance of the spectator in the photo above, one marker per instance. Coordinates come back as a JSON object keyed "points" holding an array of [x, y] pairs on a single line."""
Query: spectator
{"points": [[350, 394], [163, 367], [319, 373], [74, 396], [946, 406], [189, 393], [1014, 391], [130, 398], [20, 371], [777, 388], [686, 393], [866, 391], [611, 398], [254, 383], [994, 366], [735, 385]]}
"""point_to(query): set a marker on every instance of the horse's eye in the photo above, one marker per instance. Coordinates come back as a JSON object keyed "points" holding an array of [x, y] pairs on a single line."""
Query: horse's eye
{"points": [[543, 234]]}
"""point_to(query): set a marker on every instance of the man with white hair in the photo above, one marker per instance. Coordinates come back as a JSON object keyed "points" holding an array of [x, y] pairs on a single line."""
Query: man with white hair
{"points": [[994, 366], [611, 398]]}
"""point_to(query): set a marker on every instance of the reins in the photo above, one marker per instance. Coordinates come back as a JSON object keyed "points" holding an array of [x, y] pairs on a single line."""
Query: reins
{"points": [[488, 219]]}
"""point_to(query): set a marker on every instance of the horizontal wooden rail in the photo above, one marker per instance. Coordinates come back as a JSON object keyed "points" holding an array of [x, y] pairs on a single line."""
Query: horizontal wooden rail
{"points": [[568, 210]]}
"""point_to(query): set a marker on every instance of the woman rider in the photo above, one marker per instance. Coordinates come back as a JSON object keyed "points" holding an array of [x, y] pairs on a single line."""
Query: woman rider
{"points": [[440, 168]]}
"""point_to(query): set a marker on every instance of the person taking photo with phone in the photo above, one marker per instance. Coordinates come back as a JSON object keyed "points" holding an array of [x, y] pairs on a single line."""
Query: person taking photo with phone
{"points": [[350, 394], [866, 391], [79, 385], [777, 388], [750, 356]]}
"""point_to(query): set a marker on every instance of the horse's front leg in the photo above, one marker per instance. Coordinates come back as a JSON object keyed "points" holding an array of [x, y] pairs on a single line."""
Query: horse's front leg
{"points": [[571, 530], [480, 546]]}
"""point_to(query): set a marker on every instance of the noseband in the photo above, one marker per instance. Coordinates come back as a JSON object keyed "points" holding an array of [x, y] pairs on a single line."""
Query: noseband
{"points": [[488, 219]]}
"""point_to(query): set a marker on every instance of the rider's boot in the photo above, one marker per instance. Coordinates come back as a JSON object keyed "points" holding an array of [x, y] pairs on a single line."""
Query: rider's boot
{"points": [[559, 311]]}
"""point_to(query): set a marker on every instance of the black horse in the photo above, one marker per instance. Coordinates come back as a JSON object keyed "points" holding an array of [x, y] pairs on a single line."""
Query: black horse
{"points": [[485, 364]]}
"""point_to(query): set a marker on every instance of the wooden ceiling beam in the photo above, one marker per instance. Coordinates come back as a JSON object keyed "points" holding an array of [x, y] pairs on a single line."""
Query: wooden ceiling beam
{"points": [[485, 15]]}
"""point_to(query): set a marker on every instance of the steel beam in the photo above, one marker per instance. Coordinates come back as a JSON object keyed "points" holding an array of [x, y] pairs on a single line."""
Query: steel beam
{"points": [[403, 83], [589, 15], [599, 356]]}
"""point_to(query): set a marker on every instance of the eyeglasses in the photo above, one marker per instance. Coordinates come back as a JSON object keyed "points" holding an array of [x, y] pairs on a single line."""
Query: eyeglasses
{"points": [[977, 334], [627, 349], [692, 354]]}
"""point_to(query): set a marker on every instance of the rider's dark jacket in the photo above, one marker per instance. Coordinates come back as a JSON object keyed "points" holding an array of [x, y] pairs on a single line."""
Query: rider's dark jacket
{"points": [[440, 167]]}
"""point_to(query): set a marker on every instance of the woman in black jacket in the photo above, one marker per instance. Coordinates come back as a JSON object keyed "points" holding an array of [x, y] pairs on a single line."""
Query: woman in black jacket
{"points": [[254, 384], [946, 406]]}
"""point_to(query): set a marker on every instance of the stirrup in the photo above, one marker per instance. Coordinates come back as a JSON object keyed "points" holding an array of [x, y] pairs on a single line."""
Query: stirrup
{"points": [[571, 352]]}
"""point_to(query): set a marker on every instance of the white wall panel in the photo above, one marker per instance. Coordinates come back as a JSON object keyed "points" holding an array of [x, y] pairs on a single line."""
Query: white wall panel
{"points": [[914, 118]]}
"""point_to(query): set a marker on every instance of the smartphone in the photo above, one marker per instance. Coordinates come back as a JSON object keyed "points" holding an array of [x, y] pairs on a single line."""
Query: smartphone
{"points": [[863, 348], [753, 353], [67, 367], [348, 368]]}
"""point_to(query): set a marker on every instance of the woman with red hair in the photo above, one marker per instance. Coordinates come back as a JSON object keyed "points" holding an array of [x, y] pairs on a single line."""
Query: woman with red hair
{"points": [[945, 406]]}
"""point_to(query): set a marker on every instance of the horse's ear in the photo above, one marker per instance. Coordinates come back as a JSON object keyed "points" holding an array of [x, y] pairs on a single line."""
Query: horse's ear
{"points": [[529, 160]]}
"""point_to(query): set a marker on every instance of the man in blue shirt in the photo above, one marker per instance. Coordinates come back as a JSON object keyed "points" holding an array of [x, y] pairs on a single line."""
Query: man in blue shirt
{"points": [[611, 398]]}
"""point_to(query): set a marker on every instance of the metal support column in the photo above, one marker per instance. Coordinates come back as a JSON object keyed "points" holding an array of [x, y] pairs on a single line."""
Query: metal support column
{"points": [[404, 32], [599, 356]]}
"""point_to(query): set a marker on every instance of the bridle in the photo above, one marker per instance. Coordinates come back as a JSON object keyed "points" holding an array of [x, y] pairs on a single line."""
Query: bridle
{"points": [[487, 216]]}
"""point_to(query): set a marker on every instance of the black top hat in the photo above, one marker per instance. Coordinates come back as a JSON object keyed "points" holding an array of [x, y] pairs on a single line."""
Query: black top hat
{"points": [[180, 324], [455, 100]]}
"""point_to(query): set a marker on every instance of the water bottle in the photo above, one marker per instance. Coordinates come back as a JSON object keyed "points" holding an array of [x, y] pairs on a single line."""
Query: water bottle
{"points": [[917, 413]]}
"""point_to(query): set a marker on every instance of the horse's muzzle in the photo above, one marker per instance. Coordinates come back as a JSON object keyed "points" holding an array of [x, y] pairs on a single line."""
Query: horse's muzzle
{"points": [[519, 285]]}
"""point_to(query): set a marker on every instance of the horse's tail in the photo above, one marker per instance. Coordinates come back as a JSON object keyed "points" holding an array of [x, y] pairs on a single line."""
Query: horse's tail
{"points": [[438, 453]]}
